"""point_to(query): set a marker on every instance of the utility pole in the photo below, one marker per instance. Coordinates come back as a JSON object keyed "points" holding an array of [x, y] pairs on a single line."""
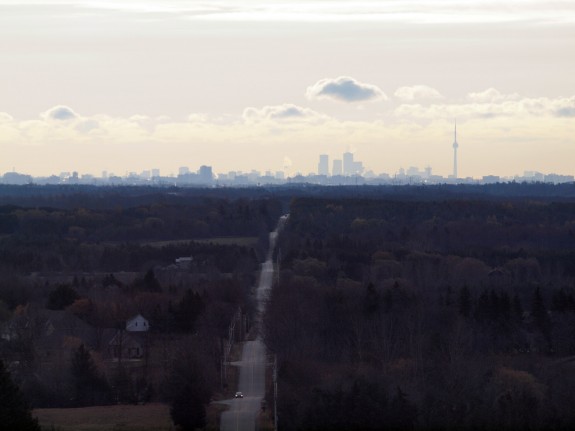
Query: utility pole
{"points": [[278, 258], [275, 392]]}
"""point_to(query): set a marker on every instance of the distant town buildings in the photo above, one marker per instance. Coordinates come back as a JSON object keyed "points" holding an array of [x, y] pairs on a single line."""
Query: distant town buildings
{"points": [[346, 166], [344, 171], [323, 165], [337, 169], [205, 177]]}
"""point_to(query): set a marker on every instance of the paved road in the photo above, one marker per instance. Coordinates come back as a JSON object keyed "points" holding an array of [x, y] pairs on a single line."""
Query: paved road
{"points": [[244, 411]]}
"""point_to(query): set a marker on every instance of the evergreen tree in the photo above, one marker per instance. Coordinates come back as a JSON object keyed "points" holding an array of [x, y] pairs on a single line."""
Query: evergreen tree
{"points": [[464, 301], [371, 300], [517, 308], [187, 410], [505, 306], [188, 310], [539, 312], [61, 297], [15, 413], [123, 387], [90, 388], [151, 283], [403, 412], [188, 389]]}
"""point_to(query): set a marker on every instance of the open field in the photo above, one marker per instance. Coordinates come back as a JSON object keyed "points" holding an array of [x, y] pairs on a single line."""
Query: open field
{"points": [[246, 241], [149, 417]]}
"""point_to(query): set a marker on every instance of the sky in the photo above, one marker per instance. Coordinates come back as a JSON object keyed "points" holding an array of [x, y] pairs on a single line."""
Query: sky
{"points": [[129, 85]]}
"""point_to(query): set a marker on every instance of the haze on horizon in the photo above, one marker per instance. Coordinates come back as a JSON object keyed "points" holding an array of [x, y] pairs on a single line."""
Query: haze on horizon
{"points": [[123, 85]]}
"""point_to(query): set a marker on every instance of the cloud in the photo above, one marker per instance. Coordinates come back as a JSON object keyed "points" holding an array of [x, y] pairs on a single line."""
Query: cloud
{"points": [[87, 126], [60, 113], [565, 107], [566, 112], [285, 112], [414, 11], [500, 106], [139, 118], [344, 89], [491, 95], [5, 118], [198, 118], [118, 143], [416, 92]]}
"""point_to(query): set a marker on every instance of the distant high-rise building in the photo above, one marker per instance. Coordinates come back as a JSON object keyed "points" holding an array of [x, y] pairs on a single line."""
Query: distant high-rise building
{"points": [[348, 166], [455, 147], [205, 173], [155, 173], [323, 165], [184, 170], [337, 168]]}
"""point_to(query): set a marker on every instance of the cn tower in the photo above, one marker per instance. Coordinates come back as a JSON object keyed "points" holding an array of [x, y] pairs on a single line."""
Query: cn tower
{"points": [[455, 147]]}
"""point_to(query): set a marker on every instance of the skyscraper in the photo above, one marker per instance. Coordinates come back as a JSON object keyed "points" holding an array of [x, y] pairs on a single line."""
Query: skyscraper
{"points": [[323, 165], [205, 173], [455, 147], [348, 167], [337, 168]]}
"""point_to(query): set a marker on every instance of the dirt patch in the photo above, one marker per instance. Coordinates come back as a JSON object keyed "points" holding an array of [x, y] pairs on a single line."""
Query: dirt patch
{"points": [[149, 417]]}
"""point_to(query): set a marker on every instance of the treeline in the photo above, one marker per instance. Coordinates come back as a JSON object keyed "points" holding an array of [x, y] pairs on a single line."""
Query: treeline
{"points": [[70, 196], [73, 277], [47, 239], [457, 313], [149, 222]]}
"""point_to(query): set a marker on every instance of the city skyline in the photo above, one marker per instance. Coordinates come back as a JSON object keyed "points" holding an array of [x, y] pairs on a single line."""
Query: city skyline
{"points": [[126, 86], [345, 171]]}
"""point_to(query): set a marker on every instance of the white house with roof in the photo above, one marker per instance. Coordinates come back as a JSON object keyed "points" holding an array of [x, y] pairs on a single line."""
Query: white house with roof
{"points": [[137, 323], [132, 342]]}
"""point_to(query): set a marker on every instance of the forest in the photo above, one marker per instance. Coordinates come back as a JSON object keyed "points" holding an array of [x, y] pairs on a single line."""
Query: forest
{"points": [[77, 280], [424, 314], [412, 308]]}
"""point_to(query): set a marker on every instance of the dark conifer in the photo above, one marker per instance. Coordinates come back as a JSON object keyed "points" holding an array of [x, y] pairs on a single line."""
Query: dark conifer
{"points": [[539, 313], [90, 388], [464, 301], [15, 414]]}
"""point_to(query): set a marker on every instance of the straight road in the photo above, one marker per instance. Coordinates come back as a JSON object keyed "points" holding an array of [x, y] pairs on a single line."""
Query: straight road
{"points": [[243, 412]]}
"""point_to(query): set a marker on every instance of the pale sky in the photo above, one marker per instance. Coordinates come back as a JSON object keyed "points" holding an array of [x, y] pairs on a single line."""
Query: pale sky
{"points": [[128, 85]]}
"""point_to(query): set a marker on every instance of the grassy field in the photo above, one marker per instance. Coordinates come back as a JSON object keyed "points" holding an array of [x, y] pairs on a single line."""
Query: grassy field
{"points": [[149, 417], [246, 241]]}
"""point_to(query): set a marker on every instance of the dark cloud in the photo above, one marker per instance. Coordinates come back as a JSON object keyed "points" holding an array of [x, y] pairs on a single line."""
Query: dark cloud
{"points": [[288, 112], [344, 89], [60, 113], [281, 112], [568, 111]]}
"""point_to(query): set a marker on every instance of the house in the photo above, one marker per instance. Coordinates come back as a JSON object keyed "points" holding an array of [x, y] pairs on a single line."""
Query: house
{"points": [[137, 323], [54, 334], [128, 345], [184, 262], [131, 342]]}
